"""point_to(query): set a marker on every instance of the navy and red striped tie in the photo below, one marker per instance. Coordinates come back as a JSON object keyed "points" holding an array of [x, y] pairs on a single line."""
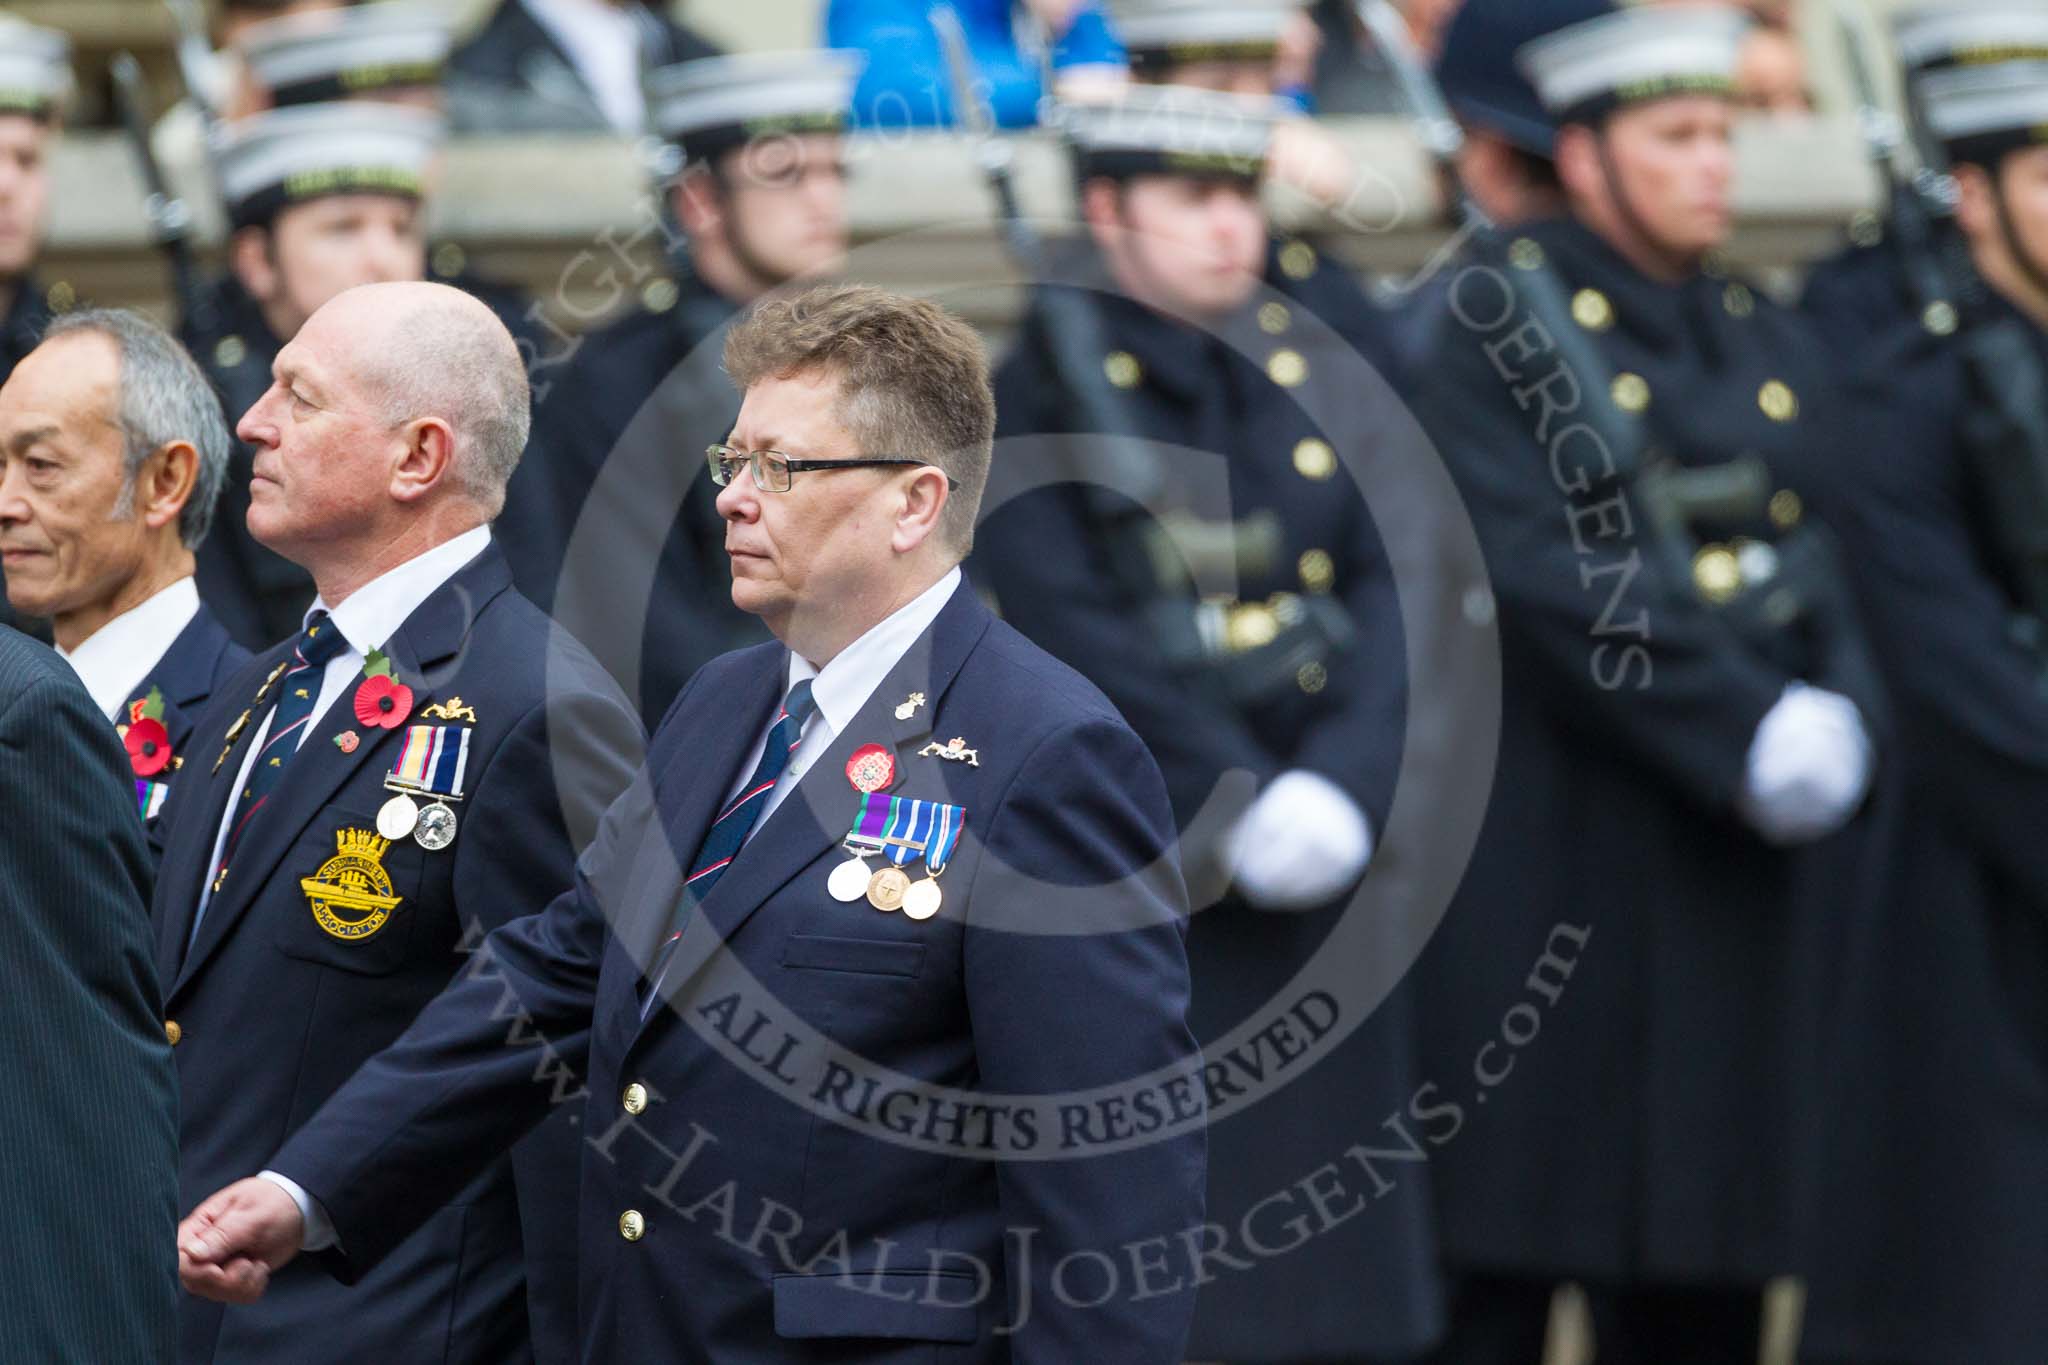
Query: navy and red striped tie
{"points": [[297, 690], [729, 831]]}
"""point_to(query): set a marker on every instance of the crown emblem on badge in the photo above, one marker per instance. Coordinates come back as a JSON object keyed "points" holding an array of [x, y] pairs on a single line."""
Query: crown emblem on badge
{"points": [[361, 843]]}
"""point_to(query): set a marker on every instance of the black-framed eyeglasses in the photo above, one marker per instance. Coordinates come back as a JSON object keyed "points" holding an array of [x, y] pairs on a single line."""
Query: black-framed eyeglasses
{"points": [[773, 471]]}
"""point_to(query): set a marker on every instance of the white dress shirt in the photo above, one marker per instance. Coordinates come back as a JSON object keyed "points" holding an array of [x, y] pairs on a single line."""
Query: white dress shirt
{"points": [[115, 659], [602, 40], [842, 687], [367, 620]]}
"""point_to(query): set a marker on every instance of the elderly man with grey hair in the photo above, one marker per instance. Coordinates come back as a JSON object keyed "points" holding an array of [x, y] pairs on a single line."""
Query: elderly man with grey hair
{"points": [[112, 450], [420, 764]]}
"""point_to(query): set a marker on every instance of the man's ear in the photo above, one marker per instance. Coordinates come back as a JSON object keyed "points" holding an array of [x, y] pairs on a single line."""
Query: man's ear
{"points": [[427, 461], [249, 257], [1976, 201], [698, 201], [924, 501], [1578, 161], [1102, 208], [165, 482]]}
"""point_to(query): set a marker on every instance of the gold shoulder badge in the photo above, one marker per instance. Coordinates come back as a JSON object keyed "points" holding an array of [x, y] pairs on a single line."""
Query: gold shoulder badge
{"points": [[351, 893], [451, 709]]}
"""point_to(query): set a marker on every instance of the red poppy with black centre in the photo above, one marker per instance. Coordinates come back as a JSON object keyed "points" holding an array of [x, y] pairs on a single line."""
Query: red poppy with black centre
{"points": [[383, 702], [149, 746]]}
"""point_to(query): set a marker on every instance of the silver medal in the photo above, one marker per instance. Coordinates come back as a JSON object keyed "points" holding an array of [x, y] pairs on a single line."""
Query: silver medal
{"points": [[436, 828], [849, 880], [396, 818]]}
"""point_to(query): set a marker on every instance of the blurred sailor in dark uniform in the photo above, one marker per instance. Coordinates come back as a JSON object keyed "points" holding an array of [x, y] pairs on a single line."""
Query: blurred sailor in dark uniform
{"points": [[1935, 1236], [1687, 699], [751, 195], [1242, 616], [1864, 291], [320, 198]]}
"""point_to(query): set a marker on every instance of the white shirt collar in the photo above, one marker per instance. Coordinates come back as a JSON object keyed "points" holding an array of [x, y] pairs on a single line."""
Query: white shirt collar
{"points": [[115, 659], [374, 612], [844, 685], [602, 41]]}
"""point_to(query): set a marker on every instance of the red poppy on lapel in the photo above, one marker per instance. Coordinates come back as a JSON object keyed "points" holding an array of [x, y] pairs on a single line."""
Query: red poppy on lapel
{"points": [[149, 746], [383, 702]]}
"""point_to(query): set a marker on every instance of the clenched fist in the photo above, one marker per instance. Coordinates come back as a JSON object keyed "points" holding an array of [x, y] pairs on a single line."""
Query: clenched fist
{"points": [[228, 1246]]}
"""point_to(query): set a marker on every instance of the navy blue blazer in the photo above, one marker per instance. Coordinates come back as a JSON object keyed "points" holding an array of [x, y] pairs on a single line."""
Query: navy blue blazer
{"points": [[725, 1217], [270, 1012], [199, 662]]}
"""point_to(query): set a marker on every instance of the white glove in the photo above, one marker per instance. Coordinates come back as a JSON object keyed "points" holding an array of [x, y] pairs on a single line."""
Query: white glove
{"points": [[1809, 766], [1302, 842]]}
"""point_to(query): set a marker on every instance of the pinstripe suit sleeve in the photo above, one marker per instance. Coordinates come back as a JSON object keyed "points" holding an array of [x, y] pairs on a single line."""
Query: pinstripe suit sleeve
{"points": [[88, 1270]]}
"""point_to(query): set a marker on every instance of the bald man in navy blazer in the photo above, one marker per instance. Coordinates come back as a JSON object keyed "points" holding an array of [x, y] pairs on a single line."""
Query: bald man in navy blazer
{"points": [[840, 1109]]}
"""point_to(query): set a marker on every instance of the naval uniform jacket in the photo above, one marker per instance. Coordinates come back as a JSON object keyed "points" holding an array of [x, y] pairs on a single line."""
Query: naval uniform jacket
{"points": [[870, 1248], [610, 521], [1932, 1227], [1660, 1124], [270, 1013], [1275, 408]]}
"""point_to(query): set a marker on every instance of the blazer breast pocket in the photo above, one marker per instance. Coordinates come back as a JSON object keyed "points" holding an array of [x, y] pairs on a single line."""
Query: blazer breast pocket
{"points": [[354, 894], [866, 956]]}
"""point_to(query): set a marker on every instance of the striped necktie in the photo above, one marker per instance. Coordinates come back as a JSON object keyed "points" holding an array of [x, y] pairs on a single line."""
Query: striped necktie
{"points": [[729, 831], [297, 690]]}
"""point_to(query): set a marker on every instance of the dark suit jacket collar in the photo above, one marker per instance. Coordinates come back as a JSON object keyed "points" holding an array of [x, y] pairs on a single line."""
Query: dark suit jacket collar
{"points": [[432, 635], [189, 669], [1662, 316], [811, 819]]}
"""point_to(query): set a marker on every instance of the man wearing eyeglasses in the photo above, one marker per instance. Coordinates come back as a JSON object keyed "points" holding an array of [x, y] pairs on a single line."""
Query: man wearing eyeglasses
{"points": [[879, 982]]}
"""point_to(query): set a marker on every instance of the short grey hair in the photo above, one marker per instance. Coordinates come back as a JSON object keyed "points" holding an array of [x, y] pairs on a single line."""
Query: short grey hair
{"points": [[163, 397], [462, 365]]}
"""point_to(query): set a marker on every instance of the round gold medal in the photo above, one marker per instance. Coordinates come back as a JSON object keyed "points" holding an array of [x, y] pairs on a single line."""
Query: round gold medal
{"points": [[849, 880], [921, 901], [886, 888], [395, 820]]}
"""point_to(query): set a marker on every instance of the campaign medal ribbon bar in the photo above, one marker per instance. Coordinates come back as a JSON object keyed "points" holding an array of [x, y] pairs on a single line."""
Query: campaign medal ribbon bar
{"points": [[431, 763]]}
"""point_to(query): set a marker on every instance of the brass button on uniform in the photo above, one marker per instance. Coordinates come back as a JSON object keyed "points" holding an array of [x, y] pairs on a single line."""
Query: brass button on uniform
{"points": [[1941, 318], [1592, 310], [1313, 459], [1717, 573], [230, 351], [1297, 260], [1778, 401], [1866, 229], [635, 1098], [1123, 369], [659, 296], [1250, 626], [1274, 318], [1631, 392], [1311, 678], [1318, 571], [61, 297], [632, 1226], [1524, 254], [449, 260], [1739, 302], [173, 1034], [1786, 509], [1286, 367]]}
